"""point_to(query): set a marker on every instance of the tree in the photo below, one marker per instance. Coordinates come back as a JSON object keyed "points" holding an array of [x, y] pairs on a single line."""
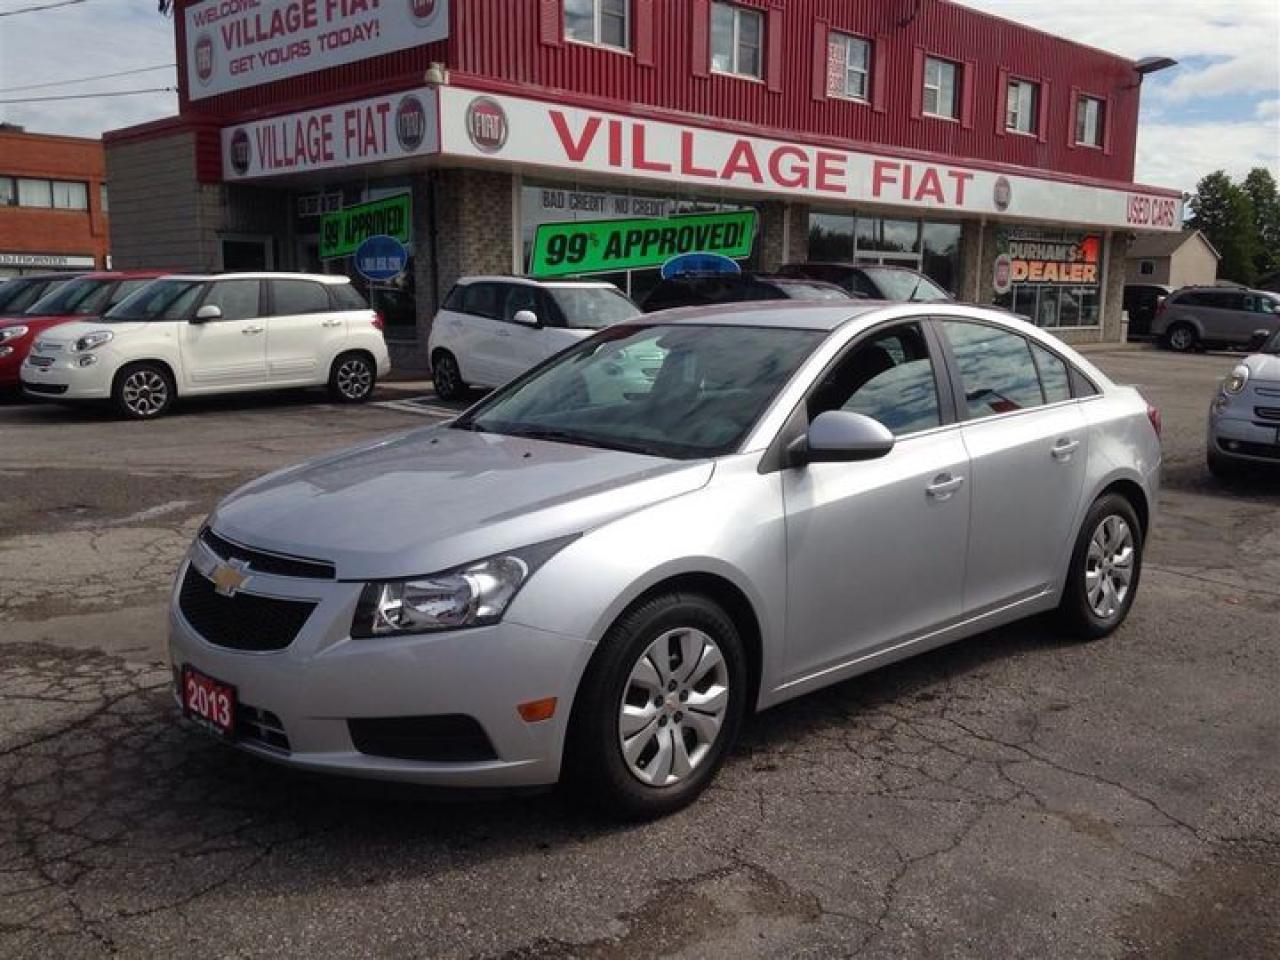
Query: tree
{"points": [[1261, 189], [1222, 211]]}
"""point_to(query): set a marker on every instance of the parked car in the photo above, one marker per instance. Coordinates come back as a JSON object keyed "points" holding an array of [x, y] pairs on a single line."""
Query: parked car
{"points": [[1219, 316], [1142, 300], [227, 333], [19, 293], [706, 290], [1244, 420], [568, 584], [871, 281], [492, 329], [88, 296]]}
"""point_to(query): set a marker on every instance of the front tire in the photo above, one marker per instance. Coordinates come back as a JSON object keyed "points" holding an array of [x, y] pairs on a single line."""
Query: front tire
{"points": [[446, 377], [143, 391], [352, 378], [1223, 468], [1105, 569], [658, 709]]}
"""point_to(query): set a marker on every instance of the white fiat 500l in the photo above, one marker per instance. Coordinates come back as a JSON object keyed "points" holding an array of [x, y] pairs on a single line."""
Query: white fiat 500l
{"points": [[492, 329], [198, 335], [574, 582]]}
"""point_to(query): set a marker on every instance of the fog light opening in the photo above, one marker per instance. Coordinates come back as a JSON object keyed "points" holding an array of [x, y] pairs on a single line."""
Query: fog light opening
{"points": [[536, 711]]}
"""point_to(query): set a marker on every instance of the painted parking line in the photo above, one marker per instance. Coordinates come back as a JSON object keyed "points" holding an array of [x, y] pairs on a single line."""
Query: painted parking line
{"points": [[422, 406]]}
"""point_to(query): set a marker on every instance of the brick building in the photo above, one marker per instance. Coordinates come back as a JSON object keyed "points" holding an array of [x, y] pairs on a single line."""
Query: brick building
{"points": [[53, 205], [995, 157]]}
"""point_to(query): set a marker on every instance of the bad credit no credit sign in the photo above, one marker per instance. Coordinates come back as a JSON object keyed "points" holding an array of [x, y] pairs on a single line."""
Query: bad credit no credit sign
{"points": [[601, 246]]}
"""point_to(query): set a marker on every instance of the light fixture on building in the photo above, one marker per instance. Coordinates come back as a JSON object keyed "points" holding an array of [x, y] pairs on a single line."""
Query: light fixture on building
{"points": [[1149, 65], [436, 75]]}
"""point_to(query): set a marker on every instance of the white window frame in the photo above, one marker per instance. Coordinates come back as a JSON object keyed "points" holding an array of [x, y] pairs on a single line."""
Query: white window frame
{"points": [[739, 13], [1082, 138], [82, 194], [849, 41], [1013, 111], [937, 89], [597, 31]]}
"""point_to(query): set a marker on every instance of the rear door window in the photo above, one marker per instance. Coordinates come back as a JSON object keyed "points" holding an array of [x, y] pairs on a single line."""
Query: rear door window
{"points": [[996, 369], [292, 297]]}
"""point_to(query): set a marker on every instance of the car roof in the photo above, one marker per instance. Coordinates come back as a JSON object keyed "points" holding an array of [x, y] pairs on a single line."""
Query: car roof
{"points": [[259, 275], [124, 275], [845, 264], [535, 282], [790, 314], [57, 275]]}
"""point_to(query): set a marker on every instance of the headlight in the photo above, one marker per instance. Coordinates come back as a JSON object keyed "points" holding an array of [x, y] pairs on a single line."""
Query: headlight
{"points": [[1236, 379], [91, 341], [471, 595], [12, 333]]}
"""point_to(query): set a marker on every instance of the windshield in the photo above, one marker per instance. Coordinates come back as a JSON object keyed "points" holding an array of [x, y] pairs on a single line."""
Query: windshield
{"points": [[1272, 346], [670, 391], [162, 300], [591, 308], [17, 295], [906, 285], [812, 291], [78, 298]]}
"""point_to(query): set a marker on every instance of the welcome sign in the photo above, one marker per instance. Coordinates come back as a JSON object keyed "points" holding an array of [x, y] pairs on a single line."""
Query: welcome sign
{"points": [[234, 44]]}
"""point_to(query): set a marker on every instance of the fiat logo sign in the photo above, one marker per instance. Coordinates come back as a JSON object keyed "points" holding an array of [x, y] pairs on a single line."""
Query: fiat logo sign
{"points": [[411, 123], [423, 10], [1003, 194], [204, 58], [487, 125], [240, 152], [1003, 273]]}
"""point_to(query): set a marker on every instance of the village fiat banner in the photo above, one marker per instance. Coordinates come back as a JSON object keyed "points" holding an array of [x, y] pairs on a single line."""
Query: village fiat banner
{"points": [[233, 44], [1061, 263]]}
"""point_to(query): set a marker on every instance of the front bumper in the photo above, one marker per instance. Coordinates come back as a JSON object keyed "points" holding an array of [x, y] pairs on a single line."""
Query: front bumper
{"points": [[1244, 440], [64, 379], [324, 678]]}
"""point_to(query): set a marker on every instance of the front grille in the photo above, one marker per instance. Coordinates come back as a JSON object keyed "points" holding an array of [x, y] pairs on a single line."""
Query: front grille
{"points": [[41, 362], [447, 738], [260, 726], [260, 561], [1267, 413], [1267, 391], [1265, 451], [243, 621], [51, 388]]}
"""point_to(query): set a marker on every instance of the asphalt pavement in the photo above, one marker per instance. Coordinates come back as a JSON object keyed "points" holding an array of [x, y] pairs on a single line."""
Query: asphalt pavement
{"points": [[1014, 795]]}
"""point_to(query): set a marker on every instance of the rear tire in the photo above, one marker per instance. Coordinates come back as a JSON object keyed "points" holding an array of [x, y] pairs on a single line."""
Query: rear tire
{"points": [[1105, 569], [658, 709], [1182, 338], [143, 391], [352, 378], [446, 377]]}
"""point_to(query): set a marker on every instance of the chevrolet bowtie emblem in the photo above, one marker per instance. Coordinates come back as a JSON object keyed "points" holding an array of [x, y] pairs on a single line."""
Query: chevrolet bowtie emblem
{"points": [[229, 577]]}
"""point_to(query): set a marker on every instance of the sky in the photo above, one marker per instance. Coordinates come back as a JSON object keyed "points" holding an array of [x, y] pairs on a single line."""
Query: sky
{"points": [[1219, 109]]}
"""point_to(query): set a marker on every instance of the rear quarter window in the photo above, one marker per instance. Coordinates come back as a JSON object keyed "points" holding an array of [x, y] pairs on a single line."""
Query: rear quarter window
{"points": [[346, 297], [292, 297]]}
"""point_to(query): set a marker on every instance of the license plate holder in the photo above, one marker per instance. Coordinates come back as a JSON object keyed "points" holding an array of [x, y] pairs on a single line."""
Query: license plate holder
{"points": [[209, 702]]}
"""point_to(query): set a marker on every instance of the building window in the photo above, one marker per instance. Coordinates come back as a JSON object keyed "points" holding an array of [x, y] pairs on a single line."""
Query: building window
{"points": [[1090, 113], [940, 88], [1022, 107], [737, 40], [851, 66], [1147, 268], [70, 195], [602, 22], [102, 195], [8, 192], [933, 248], [34, 193]]}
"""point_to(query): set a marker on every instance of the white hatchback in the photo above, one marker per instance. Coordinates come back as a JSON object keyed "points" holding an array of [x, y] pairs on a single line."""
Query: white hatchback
{"points": [[198, 335], [492, 329]]}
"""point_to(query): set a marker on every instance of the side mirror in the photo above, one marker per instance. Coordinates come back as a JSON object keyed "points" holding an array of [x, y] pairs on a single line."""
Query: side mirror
{"points": [[206, 313], [839, 436], [527, 318]]}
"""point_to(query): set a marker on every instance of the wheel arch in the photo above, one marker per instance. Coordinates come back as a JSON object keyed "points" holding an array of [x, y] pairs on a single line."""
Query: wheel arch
{"points": [[141, 361], [353, 351], [1132, 491]]}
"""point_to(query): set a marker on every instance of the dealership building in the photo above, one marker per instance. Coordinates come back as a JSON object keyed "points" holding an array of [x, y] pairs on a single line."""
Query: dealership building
{"points": [[994, 157]]}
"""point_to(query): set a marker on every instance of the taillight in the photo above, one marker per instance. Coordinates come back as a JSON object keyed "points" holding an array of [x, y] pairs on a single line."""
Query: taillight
{"points": [[378, 323], [1162, 303], [1153, 414]]}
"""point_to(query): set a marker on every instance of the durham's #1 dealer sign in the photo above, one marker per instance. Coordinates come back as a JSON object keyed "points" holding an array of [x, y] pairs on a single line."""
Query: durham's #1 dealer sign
{"points": [[233, 44]]}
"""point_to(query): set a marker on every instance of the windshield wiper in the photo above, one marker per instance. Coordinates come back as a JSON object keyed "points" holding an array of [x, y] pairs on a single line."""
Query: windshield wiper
{"points": [[577, 439]]}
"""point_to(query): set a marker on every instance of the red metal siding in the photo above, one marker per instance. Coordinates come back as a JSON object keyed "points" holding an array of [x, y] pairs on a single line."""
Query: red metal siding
{"points": [[506, 41]]}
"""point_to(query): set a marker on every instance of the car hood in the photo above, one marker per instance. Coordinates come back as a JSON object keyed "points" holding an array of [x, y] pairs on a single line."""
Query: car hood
{"points": [[37, 324], [64, 332], [1264, 367], [436, 498]]}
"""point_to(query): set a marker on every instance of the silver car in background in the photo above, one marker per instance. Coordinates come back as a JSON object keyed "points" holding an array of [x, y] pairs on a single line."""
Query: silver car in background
{"points": [[1244, 420], [594, 574]]}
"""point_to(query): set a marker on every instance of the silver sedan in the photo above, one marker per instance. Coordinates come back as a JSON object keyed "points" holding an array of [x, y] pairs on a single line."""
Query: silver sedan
{"points": [[597, 572]]}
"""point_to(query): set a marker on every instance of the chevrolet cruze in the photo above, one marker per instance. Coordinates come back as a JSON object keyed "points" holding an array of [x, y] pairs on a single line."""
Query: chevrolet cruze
{"points": [[595, 573]]}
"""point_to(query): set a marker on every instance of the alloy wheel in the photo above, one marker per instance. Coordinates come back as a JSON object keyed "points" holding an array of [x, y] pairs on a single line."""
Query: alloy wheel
{"points": [[673, 707], [445, 374], [145, 393], [354, 379], [1108, 572], [1182, 338]]}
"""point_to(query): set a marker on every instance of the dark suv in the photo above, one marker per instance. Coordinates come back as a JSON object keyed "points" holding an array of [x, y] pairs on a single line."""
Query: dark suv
{"points": [[701, 291], [1220, 316], [870, 281]]}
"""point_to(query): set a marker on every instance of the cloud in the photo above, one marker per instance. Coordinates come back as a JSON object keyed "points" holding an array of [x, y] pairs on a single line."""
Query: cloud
{"points": [[1178, 154], [1269, 110]]}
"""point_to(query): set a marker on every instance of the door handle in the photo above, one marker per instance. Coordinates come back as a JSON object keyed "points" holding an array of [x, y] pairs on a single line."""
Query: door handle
{"points": [[944, 486], [331, 323], [250, 330], [1064, 448]]}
